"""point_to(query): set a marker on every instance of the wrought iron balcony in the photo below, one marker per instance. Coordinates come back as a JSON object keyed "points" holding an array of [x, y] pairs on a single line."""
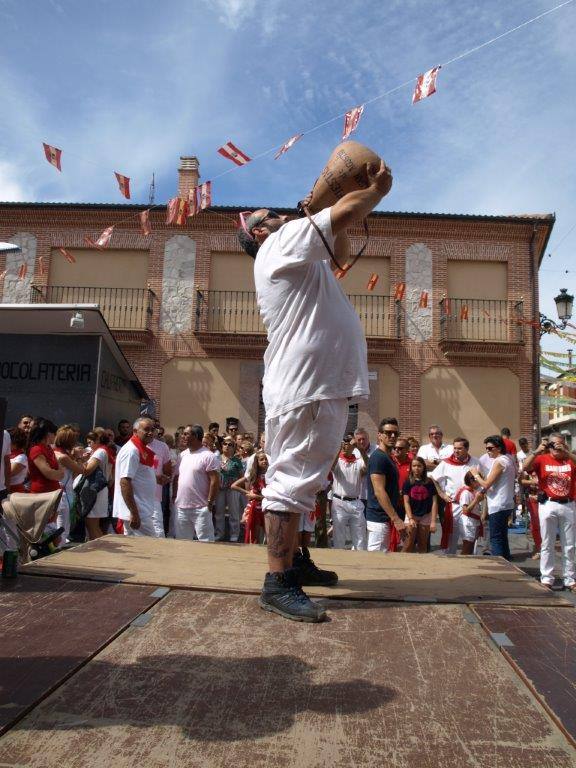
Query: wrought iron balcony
{"points": [[482, 320], [236, 312], [124, 309]]}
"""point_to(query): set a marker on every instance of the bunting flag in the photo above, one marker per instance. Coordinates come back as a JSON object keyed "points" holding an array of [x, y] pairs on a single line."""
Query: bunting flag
{"points": [[41, 265], [423, 303], [372, 282], [205, 195], [3, 274], [425, 85], [464, 312], [447, 307], [340, 273], [67, 255], [53, 155], [290, 143], [103, 241], [145, 225], [351, 120], [231, 152], [399, 290], [193, 208], [177, 211], [123, 184], [23, 269]]}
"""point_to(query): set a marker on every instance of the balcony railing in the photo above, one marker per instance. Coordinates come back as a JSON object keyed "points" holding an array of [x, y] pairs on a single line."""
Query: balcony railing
{"points": [[124, 309], [481, 320], [236, 312]]}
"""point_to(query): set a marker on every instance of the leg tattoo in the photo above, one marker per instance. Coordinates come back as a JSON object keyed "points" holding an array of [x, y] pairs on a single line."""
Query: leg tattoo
{"points": [[277, 533]]}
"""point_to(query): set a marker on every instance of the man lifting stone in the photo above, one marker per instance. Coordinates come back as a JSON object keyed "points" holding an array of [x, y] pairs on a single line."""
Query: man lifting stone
{"points": [[315, 366]]}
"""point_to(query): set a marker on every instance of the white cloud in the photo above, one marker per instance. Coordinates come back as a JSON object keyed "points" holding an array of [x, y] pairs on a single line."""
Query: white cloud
{"points": [[12, 189], [233, 13]]}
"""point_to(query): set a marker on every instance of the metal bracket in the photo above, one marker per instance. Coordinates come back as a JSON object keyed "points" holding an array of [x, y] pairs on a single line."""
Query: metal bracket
{"points": [[419, 599], [501, 639], [160, 592], [142, 620]]}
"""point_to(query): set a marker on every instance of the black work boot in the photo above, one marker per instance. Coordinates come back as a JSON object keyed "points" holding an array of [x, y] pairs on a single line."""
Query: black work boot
{"points": [[309, 575], [282, 594]]}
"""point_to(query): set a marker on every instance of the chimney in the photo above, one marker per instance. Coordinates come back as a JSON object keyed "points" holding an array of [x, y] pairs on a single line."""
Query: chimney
{"points": [[188, 175]]}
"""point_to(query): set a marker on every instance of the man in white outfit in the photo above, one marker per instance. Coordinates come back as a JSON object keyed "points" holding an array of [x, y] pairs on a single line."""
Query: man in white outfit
{"points": [[198, 483], [135, 481], [163, 471], [315, 366], [436, 450], [348, 472]]}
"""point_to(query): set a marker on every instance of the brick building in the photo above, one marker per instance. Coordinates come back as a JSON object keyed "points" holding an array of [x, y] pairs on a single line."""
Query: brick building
{"points": [[181, 305]]}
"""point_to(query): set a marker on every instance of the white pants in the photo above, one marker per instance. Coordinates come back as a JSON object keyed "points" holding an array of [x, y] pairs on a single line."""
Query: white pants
{"points": [[147, 527], [190, 521], [158, 520], [231, 499], [348, 515], [301, 446], [561, 519], [307, 522], [463, 527], [378, 536]]}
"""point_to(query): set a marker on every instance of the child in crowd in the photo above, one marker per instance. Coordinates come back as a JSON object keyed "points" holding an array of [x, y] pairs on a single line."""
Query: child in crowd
{"points": [[421, 506], [18, 460], [467, 522], [251, 486]]}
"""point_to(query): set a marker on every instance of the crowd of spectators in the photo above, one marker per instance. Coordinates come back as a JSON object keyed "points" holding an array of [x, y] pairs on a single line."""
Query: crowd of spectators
{"points": [[391, 495]]}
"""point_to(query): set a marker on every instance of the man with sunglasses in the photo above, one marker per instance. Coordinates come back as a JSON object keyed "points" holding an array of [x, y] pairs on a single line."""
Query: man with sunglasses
{"points": [[383, 489], [314, 367], [555, 468]]}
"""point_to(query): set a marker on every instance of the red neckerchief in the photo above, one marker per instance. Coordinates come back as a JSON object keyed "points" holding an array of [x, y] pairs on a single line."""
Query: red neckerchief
{"points": [[111, 453], [457, 462], [145, 453], [348, 459]]}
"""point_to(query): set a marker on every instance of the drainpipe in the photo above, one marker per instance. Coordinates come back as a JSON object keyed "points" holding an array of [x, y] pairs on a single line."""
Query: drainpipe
{"points": [[535, 343]]}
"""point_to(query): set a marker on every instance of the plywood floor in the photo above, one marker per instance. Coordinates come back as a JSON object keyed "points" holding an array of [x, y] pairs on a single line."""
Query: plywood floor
{"points": [[50, 627], [211, 680], [543, 650], [239, 568]]}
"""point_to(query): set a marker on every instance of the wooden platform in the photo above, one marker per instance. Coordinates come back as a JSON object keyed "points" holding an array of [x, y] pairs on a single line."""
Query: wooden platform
{"points": [[541, 645], [240, 568], [51, 627], [210, 681]]}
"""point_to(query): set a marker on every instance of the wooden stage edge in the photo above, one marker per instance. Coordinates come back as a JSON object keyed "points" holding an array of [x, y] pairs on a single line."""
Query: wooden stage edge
{"points": [[239, 569]]}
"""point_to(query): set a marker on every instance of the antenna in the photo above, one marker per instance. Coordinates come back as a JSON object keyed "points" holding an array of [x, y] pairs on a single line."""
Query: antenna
{"points": [[152, 192]]}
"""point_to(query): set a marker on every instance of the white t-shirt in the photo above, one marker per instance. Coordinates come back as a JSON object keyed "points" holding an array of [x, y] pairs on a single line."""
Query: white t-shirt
{"points": [[162, 456], [364, 486], [348, 477], [485, 464], [143, 482], [501, 494], [193, 480], [450, 477], [6, 445], [20, 475], [429, 452], [520, 456], [466, 498], [316, 346]]}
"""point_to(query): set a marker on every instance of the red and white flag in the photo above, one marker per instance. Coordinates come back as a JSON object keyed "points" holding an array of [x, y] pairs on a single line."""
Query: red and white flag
{"points": [[290, 143], [372, 282], [351, 120], [3, 274], [425, 85], [205, 195], [123, 184], [53, 155], [23, 269], [103, 241], [423, 303], [340, 273], [145, 225], [177, 211], [399, 290], [41, 265], [464, 312], [67, 255], [193, 208], [231, 152]]}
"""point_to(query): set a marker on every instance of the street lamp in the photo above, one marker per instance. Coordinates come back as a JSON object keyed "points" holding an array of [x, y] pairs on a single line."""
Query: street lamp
{"points": [[564, 302]]}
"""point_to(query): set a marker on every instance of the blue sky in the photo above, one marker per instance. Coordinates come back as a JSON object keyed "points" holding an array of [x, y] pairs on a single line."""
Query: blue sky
{"points": [[130, 85]]}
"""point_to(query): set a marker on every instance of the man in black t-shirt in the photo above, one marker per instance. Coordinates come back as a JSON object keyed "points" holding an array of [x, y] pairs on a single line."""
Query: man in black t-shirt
{"points": [[383, 490]]}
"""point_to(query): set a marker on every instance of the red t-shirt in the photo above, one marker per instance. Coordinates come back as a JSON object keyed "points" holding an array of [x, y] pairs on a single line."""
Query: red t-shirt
{"points": [[555, 476], [39, 483], [510, 446], [403, 471]]}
